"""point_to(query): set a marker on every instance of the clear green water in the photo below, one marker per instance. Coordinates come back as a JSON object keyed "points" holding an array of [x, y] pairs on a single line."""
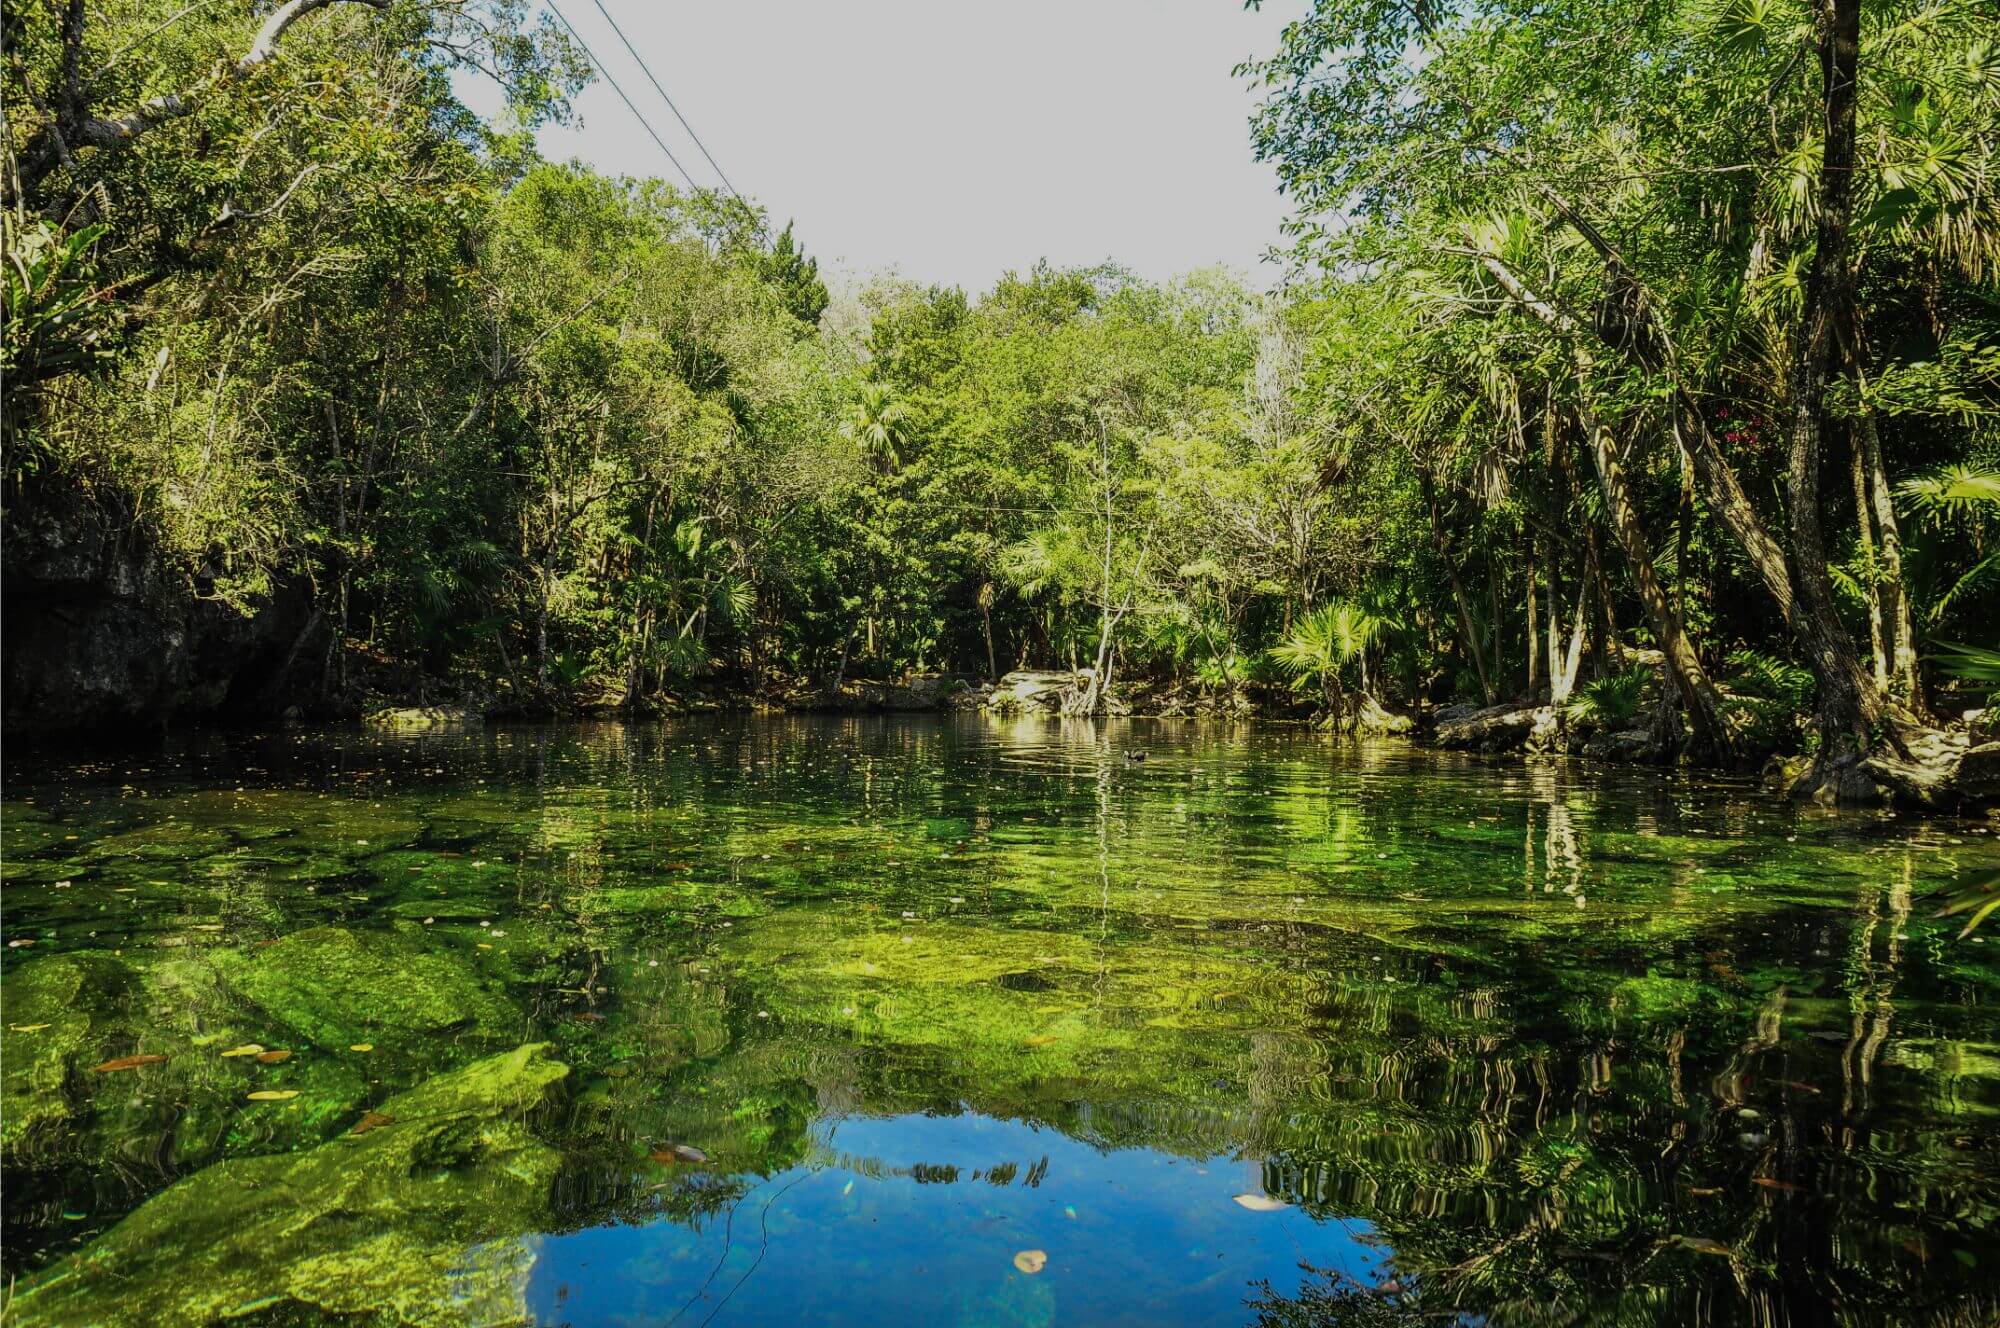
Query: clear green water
{"points": [[1479, 1041]]}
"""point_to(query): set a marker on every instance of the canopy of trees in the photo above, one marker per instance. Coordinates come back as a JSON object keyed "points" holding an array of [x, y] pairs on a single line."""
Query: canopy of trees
{"points": [[1619, 330]]}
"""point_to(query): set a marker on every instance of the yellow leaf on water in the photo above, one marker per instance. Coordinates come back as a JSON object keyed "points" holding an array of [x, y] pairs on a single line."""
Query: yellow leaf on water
{"points": [[1031, 1261], [26, 1028], [362, 1046], [1044, 1040], [274, 1094], [127, 1063], [1261, 1203], [247, 1049], [273, 1057]]}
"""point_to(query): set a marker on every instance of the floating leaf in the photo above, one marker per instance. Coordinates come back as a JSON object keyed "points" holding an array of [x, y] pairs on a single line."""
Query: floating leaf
{"points": [[26, 1028], [372, 1120], [247, 1049], [273, 1057], [1031, 1261], [1044, 1040], [362, 1046], [1703, 1191], [1261, 1203], [1773, 1183], [274, 1094], [127, 1063]]}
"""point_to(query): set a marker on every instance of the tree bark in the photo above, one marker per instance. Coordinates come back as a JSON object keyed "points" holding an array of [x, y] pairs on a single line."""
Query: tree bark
{"points": [[1904, 682], [1871, 592], [1534, 641], [1697, 693], [1848, 703]]}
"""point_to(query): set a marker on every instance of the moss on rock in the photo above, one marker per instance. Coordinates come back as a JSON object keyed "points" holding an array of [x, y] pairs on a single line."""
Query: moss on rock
{"points": [[334, 986], [57, 1009], [410, 1223]]}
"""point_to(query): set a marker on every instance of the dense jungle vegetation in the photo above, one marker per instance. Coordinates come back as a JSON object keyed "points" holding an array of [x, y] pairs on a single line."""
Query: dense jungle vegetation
{"points": [[1622, 336]]}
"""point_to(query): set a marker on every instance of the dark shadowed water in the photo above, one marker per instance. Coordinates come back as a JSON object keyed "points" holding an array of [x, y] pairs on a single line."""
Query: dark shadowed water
{"points": [[870, 1022]]}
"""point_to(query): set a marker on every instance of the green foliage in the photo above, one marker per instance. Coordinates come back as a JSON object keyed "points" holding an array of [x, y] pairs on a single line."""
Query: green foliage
{"points": [[1769, 678], [1976, 664], [505, 426], [1611, 702], [1323, 642]]}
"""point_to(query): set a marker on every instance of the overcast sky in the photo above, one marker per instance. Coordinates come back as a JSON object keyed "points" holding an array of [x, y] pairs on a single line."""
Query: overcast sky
{"points": [[953, 140]]}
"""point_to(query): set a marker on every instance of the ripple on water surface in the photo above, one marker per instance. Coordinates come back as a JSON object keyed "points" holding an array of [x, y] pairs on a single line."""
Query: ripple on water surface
{"points": [[979, 1022]]}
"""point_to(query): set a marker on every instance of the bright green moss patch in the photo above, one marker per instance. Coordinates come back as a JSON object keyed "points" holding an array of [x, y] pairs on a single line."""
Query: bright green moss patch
{"points": [[333, 986], [389, 1225]]}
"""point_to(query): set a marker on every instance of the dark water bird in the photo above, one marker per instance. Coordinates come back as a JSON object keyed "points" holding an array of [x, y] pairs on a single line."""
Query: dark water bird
{"points": [[1133, 758]]}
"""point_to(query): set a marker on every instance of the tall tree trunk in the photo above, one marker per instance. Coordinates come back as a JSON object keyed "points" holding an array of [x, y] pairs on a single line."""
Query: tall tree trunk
{"points": [[1697, 693], [1878, 645], [1534, 642], [1903, 679], [543, 591], [1848, 702]]}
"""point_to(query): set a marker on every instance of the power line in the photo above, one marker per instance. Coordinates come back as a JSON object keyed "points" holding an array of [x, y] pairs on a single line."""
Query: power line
{"points": [[643, 122], [648, 71]]}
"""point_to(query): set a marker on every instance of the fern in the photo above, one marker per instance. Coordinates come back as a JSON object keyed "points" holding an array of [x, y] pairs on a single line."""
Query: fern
{"points": [[1768, 678]]}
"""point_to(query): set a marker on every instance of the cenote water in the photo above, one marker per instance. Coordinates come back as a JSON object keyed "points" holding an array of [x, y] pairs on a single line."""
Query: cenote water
{"points": [[873, 1022]]}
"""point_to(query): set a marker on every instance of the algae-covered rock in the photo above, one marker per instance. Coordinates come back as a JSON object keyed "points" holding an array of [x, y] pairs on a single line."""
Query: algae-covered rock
{"points": [[423, 719], [57, 1008], [335, 986], [411, 1222]]}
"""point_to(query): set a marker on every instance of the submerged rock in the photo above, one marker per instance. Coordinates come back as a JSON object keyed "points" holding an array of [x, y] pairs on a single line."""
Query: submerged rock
{"points": [[413, 1221], [58, 1009], [334, 986]]}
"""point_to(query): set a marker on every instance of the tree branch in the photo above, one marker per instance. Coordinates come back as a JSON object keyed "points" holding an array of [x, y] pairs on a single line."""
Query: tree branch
{"points": [[110, 130]]}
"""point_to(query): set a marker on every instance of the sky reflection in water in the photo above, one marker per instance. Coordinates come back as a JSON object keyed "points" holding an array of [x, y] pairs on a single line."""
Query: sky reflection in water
{"points": [[1539, 1044]]}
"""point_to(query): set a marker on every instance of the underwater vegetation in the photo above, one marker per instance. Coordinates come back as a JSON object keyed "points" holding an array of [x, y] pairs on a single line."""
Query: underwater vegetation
{"points": [[982, 1023]]}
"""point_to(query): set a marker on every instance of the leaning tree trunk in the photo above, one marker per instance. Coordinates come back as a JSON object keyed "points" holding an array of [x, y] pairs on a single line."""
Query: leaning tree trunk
{"points": [[1848, 701], [1697, 693]]}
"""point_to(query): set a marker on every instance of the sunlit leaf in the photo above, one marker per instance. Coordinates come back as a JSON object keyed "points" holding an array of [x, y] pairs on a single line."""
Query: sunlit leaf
{"points": [[372, 1120]]}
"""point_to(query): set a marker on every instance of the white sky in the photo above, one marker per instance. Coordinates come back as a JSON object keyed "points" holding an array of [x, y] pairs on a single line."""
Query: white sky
{"points": [[952, 140]]}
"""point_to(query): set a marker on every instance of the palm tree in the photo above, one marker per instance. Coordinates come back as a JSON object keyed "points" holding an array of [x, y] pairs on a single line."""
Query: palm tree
{"points": [[876, 423], [1323, 641]]}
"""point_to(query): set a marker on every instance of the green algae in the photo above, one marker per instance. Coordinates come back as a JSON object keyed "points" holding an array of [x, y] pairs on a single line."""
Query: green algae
{"points": [[1448, 1031], [405, 1224], [333, 986], [59, 1012]]}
